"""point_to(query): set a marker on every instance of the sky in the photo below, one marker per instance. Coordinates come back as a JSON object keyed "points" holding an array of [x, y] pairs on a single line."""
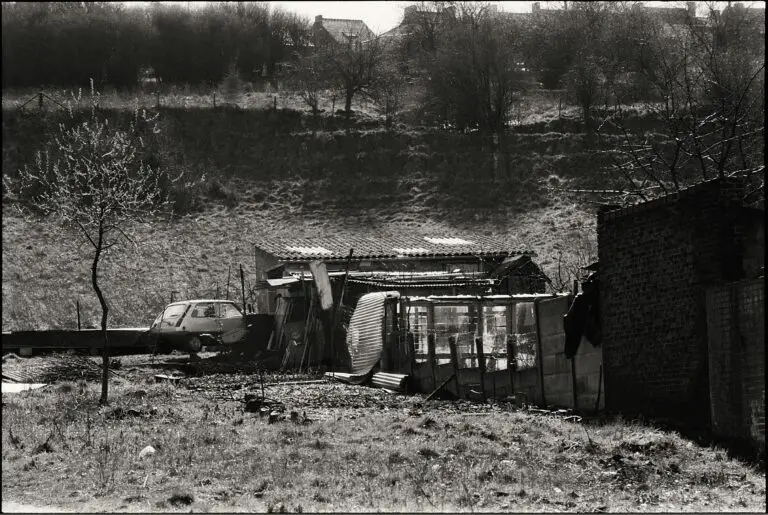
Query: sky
{"points": [[382, 16]]}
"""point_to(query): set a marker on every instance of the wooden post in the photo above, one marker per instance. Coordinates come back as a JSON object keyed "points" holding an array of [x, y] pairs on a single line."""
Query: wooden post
{"points": [[573, 382], [242, 284], [481, 364], [40, 100], [337, 309], [511, 350], [78, 314], [455, 363], [539, 357], [229, 271], [431, 343], [214, 98], [431, 358], [480, 332], [411, 353]]}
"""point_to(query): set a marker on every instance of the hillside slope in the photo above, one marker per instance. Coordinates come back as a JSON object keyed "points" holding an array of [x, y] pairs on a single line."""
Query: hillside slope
{"points": [[281, 173]]}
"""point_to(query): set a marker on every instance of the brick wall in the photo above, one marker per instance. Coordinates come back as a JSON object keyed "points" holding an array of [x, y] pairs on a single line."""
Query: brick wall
{"points": [[656, 261], [736, 337]]}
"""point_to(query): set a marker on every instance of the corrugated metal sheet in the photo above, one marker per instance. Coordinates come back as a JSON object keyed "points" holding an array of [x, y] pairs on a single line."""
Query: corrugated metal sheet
{"points": [[364, 335], [390, 381], [386, 247]]}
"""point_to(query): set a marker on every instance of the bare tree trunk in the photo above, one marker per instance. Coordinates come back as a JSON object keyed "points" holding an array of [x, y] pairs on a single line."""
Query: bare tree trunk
{"points": [[348, 94], [104, 313]]}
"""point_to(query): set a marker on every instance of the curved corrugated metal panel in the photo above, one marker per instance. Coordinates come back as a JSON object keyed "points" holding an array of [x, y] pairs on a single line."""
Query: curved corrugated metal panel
{"points": [[364, 335]]}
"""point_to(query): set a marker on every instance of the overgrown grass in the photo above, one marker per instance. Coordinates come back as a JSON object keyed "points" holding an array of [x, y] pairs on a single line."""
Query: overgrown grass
{"points": [[60, 448], [255, 173]]}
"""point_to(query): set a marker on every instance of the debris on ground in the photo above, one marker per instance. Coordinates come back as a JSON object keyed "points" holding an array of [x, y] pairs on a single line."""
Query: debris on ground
{"points": [[52, 368], [146, 452]]}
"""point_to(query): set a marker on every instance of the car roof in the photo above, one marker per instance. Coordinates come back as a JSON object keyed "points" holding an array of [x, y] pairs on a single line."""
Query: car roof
{"points": [[200, 300]]}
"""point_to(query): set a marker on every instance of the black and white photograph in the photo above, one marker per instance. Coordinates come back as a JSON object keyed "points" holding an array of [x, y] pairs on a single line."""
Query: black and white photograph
{"points": [[383, 256]]}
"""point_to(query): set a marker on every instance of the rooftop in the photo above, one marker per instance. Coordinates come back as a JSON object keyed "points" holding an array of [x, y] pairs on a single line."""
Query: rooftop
{"points": [[342, 30], [392, 247]]}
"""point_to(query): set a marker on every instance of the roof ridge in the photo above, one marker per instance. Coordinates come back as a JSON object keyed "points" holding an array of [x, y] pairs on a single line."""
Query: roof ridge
{"points": [[341, 19]]}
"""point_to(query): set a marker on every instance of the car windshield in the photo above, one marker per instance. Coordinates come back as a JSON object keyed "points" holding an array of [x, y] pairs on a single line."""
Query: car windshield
{"points": [[173, 311]]}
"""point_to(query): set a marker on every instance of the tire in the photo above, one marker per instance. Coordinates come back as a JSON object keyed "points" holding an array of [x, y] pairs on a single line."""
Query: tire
{"points": [[194, 344]]}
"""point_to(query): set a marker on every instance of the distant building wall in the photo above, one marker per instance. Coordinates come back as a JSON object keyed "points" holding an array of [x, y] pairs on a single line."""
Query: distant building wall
{"points": [[656, 261]]}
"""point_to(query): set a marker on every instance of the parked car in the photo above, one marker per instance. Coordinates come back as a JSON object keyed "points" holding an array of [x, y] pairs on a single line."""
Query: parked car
{"points": [[188, 325]]}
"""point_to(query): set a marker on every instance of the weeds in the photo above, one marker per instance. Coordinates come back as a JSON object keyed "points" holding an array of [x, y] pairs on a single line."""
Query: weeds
{"points": [[369, 463]]}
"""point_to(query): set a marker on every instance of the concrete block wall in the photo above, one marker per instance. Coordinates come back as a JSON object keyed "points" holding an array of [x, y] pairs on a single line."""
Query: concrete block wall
{"points": [[656, 261], [736, 337]]}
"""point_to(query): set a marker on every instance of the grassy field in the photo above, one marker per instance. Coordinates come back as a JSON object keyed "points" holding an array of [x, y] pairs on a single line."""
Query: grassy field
{"points": [[351, 449]]}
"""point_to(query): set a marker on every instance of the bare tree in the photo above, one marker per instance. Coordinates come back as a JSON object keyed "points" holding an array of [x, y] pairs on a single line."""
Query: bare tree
{"points": [[707, 81], [476, 76], [352, 67], [575, 252], [94, 182], [387, 93], [309, 79]]}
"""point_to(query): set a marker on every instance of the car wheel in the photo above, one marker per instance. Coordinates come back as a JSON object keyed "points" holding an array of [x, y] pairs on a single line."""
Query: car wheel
{"points": [[194, 344]]}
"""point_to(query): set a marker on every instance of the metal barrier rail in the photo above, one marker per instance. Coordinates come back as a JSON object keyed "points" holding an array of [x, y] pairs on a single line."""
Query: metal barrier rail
{"points": [[64, 339]]}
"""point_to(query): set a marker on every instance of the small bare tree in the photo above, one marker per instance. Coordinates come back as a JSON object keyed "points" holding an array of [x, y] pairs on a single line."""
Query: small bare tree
{"points": [[309, 80], [352, 67], [94, 182], [575, 252], [388, 92]]}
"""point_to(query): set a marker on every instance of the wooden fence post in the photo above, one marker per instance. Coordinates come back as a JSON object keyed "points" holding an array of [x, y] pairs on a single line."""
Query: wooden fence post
{"points": [[539, 356], [229, 271], [242, 284], [431, 358], [431, 343], [455, 363], [481, 364]]}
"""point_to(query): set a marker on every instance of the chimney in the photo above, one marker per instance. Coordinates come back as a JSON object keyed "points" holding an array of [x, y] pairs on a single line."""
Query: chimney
{"points": [[535, 7], [319, 19], [691, 9]]}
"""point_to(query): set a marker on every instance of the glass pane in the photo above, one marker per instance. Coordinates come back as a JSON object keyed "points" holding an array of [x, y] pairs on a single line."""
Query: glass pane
{"points": [[417, 326], [230, 311], [173, 311], [525, 335], [203, 310], [454, 322], [495, 337]]}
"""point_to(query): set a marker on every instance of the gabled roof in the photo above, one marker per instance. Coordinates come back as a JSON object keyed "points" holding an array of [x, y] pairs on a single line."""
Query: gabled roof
{"points": [[391, 247], [341, 30]]}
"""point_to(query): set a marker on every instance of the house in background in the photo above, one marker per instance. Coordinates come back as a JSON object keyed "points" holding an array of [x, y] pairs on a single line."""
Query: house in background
{"points": [[337, 31]]}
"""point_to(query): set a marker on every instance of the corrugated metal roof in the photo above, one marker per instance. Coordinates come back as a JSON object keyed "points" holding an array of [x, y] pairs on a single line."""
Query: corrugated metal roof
{"points": [[364, 335], [388, 247]]}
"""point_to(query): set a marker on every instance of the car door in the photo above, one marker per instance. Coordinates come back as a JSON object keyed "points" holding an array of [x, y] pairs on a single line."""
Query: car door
{"points": [[232, 322], [202, 318]]}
